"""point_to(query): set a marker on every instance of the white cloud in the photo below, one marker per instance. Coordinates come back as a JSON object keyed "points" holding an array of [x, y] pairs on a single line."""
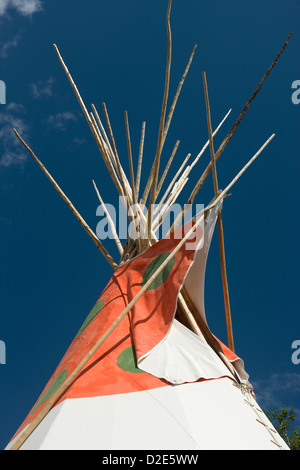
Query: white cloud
{"points": [[24, 7], [12, 43], [10, 158], [11, 150], [15, 107], [79, 141], [3, 6], [42, 89], [5, 220], [277, 390], [59, 121]]}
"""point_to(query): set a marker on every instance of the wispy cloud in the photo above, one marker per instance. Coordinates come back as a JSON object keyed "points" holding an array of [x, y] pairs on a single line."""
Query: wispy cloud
{"points": [[3, 7], [5, 220], [10, 44], [60, 120], [277, 390], [42, 89], [15, 108], [23, 7], [11, 151], [79, 141]]}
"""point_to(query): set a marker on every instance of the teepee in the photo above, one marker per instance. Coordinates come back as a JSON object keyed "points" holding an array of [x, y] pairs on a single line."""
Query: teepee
{"points": [[144, 370]]}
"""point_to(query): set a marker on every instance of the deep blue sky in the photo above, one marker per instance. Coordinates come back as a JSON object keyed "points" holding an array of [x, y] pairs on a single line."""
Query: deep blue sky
{"points": [[51, 272]]}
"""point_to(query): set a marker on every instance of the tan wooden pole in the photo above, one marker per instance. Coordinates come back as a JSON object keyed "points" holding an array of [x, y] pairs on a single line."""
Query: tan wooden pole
{"points": [[133, 186], [191, 166], [57, 395], [168, 120], [140, 161], [220, 223], [163, 177], [220, 150], [90, 122], [80, 219], [159, 148]]}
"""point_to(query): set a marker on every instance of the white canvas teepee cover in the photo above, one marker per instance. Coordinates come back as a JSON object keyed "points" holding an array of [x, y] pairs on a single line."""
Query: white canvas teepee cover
{"points": [[153, 384]]}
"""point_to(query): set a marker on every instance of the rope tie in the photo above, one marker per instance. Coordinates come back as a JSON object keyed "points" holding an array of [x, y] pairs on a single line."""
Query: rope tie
{"points": [[247, 392]]}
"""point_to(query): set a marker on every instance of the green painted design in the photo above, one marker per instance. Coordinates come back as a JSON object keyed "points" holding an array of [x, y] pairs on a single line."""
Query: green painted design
{"points": [[163, 275], [52, 389], [127, 361], [93, 313]]}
